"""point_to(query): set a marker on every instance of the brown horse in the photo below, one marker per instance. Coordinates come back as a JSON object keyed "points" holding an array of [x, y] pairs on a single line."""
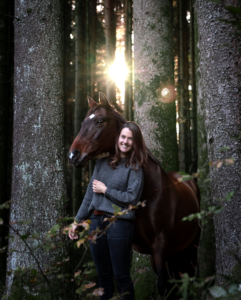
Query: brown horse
{"points": [[159, 229]]}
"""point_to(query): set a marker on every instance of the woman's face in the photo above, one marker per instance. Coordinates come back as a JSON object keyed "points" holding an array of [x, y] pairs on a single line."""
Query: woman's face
{"points": [[125, 141]]}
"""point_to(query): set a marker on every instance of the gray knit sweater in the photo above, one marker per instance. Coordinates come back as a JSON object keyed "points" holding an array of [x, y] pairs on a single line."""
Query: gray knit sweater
{"points": [[124, 187]]}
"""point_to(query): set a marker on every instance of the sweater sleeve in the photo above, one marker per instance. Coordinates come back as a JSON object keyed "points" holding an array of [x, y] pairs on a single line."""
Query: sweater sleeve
{"points": [[83, 210], [133, 192]]}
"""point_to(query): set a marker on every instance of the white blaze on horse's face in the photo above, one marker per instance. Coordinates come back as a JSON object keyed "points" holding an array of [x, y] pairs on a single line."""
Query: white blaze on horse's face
{"points": [[71, 155], [92, 116]]}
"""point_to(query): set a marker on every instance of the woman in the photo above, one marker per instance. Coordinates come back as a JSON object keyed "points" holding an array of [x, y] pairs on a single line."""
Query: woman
{"points": [[117, 179]]}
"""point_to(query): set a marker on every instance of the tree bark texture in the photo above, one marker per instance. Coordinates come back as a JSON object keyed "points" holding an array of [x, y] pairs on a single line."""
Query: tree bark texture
{"points": [[206, 248], [153, 69], [128, 60], [93, 38], [193, 104], [110, 37], [219, 91], [38, 183], [183, 97]]}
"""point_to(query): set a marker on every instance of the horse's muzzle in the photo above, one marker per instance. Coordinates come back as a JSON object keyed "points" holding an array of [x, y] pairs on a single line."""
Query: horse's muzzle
{"points": [[76, 159]]}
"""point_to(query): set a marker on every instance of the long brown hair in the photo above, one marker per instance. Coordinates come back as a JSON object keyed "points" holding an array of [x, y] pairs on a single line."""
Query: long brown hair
{"points": [[137, 157]]}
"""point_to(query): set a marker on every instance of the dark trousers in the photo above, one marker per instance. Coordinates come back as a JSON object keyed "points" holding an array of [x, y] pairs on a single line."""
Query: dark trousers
{"points": [[112, 251]]}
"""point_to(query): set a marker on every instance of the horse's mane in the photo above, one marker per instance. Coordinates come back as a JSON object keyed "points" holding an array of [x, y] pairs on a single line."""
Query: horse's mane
{"points": [[152, 157], [122, 120]]}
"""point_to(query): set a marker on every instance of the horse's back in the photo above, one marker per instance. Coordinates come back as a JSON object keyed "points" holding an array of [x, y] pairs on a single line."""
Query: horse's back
{"points": [[191, 184]]}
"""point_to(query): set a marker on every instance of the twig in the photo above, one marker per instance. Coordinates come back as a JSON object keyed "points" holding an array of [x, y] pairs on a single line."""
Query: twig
{"points": [[40, 269], [86, 248], [13, 17]]}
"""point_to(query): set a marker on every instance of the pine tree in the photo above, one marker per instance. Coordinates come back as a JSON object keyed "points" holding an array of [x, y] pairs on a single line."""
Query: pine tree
{"points": [[219, 93], [38, 181], [154, 67]]}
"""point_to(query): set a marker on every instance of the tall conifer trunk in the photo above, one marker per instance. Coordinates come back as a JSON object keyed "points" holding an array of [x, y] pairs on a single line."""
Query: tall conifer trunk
{"points": [[206, 247], [69, 90], [128, 60], [153, 71], [81, 105], [93, 37], [38, 183], [154, 67], [110, 36], [218, 87], [193, 104]]}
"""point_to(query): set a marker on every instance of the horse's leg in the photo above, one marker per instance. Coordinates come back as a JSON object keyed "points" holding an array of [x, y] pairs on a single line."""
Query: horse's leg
{"points": [[159, 252], [153, 263]]}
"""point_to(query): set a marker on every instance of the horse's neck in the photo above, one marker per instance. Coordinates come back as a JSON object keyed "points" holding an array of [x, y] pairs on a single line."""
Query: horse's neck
{"points": [[120, 120]]}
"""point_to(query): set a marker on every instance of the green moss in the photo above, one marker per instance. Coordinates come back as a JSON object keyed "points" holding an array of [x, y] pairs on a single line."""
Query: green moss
{"points": [[236, 273], [144, 279], [141, 93], [206, 252], [164, 116]]}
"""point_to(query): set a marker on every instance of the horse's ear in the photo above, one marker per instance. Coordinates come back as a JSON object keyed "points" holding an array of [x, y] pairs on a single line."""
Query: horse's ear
{"points": [[103, 100], [91, 102]]}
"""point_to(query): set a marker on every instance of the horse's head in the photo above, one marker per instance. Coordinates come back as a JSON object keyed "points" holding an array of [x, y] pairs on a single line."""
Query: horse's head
{"points": [[97, 134]]}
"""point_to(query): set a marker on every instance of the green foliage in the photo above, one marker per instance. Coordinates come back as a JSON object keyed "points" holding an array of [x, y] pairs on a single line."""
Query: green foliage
{"points": [[62, 278]]}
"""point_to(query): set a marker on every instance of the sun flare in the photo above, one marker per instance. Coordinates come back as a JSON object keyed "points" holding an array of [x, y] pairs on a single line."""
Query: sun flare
{"points": [[118, 72]]}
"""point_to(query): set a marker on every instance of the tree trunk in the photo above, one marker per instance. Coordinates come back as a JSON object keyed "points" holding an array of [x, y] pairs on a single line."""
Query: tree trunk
{"points": [[81, 104], [183, 97], [93, 33], [128, 60], [110, 35], [206, 248], [38, 183], [69, 89], [193, 98], [6, 73], [218, 87], [153, 72], [154, 67]]}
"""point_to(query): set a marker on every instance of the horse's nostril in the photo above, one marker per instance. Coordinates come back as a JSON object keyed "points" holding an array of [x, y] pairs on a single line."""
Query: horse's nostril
{"points": [[74, 155]]}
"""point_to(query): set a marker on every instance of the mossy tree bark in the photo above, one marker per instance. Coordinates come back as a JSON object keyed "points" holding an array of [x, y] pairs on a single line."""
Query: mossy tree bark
{"points": [[219, 88], [128, 60], [183, 94], [38, 183], [153, 71], [193, 104], [206, 249]]}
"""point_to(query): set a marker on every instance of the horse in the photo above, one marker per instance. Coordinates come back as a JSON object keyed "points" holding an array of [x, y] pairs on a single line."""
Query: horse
{"points": [[159, 229]]}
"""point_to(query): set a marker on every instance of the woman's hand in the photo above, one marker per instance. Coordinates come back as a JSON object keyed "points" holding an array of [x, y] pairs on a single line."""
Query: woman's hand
{"points": [[99, 187], [72, 232]]}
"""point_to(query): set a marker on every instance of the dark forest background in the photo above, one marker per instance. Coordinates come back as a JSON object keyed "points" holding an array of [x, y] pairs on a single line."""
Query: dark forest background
{"points": [[74, 43]]}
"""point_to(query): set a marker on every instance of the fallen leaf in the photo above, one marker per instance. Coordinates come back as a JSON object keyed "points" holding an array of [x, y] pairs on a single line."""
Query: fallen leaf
{"points": [[229, 161], [33, 280], [219, 164], [77, 274], [98, 292], [89, 285], [80, 242]]}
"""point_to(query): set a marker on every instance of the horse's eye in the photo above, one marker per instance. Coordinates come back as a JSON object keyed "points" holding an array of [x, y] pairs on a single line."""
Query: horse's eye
{"points": [[100, 122]]}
